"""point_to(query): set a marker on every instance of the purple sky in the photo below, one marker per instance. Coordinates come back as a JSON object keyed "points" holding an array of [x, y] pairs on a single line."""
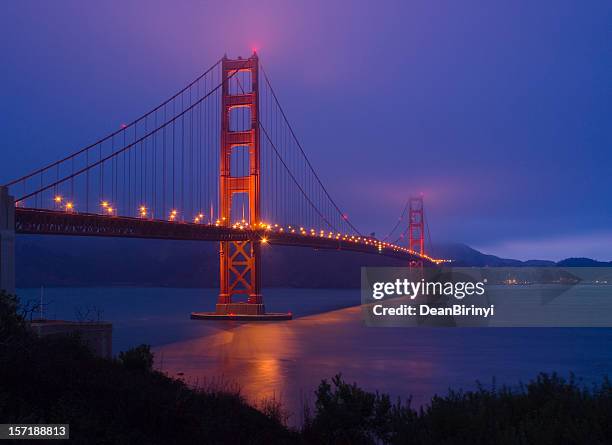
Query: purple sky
{"points": [[499, 112]]}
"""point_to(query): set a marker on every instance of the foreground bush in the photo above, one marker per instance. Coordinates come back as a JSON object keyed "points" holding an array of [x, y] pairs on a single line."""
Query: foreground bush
{"points": [[548, 410]]}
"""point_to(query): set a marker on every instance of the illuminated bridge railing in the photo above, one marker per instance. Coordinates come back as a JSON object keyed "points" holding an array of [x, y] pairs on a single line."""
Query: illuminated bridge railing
{"points": [[49, 222]]}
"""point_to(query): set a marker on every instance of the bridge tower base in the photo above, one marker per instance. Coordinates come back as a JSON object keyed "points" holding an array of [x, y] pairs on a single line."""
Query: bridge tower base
{"points": [[7, 241]]}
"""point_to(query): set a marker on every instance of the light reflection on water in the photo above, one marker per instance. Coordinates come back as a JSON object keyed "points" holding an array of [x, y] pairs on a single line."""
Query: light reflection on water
{"points": [[288, 359]]}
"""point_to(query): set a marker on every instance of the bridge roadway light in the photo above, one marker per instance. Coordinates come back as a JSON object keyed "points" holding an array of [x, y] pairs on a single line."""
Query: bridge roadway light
{"points": [[69, 206], [58, 199]]}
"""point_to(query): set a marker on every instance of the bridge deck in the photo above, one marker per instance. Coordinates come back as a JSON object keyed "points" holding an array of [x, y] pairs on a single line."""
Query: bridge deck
{"points": [[50, 222]]}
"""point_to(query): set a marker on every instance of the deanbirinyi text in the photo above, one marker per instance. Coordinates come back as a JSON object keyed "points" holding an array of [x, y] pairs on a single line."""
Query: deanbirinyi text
{"points": [[405, 310]]}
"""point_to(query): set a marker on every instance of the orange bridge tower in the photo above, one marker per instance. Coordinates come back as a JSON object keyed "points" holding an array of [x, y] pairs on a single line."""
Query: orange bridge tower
{"points": [[240, 261], [416, 229]]}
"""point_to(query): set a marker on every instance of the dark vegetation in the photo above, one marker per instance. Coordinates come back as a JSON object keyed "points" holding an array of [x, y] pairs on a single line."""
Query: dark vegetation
{"points": [[125, 401], [548, 410], [56, 379]]}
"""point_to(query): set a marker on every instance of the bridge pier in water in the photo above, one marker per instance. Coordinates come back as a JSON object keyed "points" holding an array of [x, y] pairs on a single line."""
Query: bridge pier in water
{"points": [[7, 241]]}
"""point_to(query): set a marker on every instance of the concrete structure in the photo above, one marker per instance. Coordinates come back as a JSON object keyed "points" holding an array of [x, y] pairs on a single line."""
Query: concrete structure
{"points": [[242, 314], [7, 241], [98, 336]]}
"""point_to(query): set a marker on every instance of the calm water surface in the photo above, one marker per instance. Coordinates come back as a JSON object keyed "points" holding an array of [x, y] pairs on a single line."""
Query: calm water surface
{"points": [[288, 359]]}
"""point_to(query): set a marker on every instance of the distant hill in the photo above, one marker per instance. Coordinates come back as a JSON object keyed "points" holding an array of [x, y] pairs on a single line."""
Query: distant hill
{"points": [[75, 261], [463, 255], [583, 262]]}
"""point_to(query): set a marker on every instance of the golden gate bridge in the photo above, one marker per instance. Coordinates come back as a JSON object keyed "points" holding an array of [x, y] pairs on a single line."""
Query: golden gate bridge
{"points": [[217, 161]]}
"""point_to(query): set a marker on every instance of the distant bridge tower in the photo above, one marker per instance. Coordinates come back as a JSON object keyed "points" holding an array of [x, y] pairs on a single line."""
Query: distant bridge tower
{"points": [[416, 228], [240, 260]]}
